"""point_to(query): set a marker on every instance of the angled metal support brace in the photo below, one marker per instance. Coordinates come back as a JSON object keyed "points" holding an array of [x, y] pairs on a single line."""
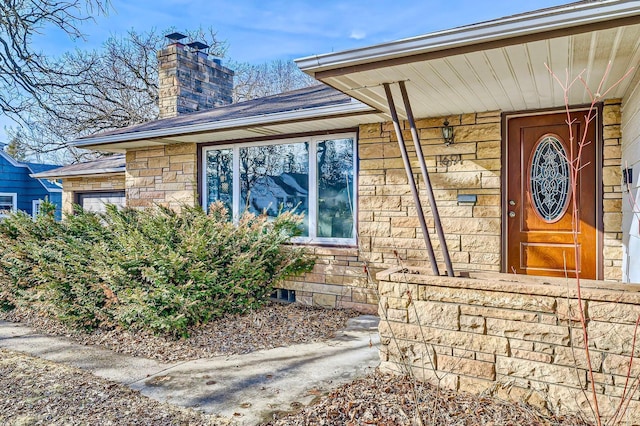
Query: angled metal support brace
{"points": [[412, 181], [427, 180]]}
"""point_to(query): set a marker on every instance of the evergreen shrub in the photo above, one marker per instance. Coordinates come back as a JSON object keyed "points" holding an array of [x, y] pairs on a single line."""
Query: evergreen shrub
{"points": [[153, 269]]}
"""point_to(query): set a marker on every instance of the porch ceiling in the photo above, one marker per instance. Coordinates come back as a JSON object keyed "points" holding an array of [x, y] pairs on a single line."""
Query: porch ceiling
{"points": [[500, 72]]}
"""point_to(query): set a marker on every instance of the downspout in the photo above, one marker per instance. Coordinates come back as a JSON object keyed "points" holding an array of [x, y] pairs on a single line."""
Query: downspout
{"points": [[410, 178], [427, 180]]}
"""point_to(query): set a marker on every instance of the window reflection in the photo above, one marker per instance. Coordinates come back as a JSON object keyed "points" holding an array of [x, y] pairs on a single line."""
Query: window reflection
{"points": [[314, 177], [335, 188], [220, 177], [275, 178]]}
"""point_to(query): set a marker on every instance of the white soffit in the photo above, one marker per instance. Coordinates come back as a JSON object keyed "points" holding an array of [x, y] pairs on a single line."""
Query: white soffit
{"points": [[510, 78]]}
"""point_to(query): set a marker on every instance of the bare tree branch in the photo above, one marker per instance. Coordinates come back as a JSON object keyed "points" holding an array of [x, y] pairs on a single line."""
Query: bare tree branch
{"points": [[256, 81], [27, 76], [108, 88]]}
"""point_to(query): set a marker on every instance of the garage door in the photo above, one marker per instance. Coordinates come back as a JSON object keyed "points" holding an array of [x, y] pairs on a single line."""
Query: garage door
{"points": [[96, 201]]}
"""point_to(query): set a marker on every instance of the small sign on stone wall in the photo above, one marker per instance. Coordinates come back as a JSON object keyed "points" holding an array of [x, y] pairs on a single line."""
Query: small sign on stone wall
{"points": [[448, 160]]}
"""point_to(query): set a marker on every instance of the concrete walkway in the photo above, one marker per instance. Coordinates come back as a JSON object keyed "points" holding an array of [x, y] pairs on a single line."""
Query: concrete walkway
{"points": [[249, 388]]}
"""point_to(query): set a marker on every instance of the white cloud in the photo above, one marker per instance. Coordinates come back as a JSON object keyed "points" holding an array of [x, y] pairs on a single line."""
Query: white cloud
{"points": [[357, 34]]}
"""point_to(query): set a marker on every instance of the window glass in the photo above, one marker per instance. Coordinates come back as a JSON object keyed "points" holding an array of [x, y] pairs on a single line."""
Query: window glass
{"points": [[35, 207], [550, 179], [7, 203], [313, 176], [335, 188], [275, 178], [220, 176]]}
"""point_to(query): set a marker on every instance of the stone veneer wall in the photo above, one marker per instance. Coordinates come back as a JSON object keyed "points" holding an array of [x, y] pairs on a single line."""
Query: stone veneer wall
{"points": [[388, 226], [189, 82], [612, 181], [112, 182], [163, 175], [389, 231], [514, 339], [338, 280]]}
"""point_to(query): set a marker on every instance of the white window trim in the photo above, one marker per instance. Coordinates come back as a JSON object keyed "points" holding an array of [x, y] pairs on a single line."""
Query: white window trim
{"points": [[313, 191], [14, 197], [35, 207]]}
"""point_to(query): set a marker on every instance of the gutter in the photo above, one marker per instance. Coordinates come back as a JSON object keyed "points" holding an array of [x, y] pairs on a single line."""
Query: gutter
{"points": [[353, 107], [79, 173], [544, 21]]}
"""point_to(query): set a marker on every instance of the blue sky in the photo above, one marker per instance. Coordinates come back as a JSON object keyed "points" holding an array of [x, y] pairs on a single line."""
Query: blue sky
{"points": [[264, 30], [277, 29]]}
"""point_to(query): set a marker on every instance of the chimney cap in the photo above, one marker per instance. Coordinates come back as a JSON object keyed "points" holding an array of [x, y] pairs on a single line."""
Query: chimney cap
{"points": [[196, 45], [175, 36]]}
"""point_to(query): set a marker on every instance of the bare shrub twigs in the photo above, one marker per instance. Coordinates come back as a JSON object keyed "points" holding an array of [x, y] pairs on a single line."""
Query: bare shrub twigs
{"points": [[575, 165]]}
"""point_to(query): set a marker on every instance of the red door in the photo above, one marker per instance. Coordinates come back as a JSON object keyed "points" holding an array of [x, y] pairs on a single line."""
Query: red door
{"points": [[539, 198]]}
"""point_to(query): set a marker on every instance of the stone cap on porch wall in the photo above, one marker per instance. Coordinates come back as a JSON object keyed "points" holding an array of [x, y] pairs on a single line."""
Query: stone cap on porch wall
{"points": [[595, 290]]}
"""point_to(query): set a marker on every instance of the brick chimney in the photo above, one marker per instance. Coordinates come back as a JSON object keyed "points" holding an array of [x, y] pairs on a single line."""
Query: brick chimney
{"points": [[189, 80]]}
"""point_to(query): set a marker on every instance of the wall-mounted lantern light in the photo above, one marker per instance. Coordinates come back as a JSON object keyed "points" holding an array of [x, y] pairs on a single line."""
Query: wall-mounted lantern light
{"points": [[447, 133]]}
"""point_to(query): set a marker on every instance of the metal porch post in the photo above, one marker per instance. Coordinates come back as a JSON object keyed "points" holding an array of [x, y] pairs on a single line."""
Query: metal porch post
{"points": [[412, 182], [427, 181]]}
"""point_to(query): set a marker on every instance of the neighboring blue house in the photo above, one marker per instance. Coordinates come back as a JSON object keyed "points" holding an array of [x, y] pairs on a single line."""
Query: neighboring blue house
{"points": [[19, 191]]}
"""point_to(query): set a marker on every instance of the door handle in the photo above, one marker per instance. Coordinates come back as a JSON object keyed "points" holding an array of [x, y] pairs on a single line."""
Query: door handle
{"points": [[512, 203], [512, 214]]}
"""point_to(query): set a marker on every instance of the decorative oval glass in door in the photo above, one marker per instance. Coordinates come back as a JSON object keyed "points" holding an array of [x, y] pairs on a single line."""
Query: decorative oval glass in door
{"points": [[549, 179]]}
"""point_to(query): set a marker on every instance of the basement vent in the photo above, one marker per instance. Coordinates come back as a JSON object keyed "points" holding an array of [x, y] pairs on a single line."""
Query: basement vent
{"points": [[283, 295]]}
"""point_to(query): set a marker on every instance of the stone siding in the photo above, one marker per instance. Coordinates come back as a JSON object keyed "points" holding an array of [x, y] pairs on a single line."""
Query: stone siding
{"points": [[512, 337], [388, 225], [339, 279], [612, 183], [388, 228], [190, 82], [112, 182], [164, 175], [389, 231]]}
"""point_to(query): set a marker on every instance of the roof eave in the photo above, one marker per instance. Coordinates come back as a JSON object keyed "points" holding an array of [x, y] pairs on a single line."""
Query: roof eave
{"points": [[79, 173], [576, 15], [352, 107]]}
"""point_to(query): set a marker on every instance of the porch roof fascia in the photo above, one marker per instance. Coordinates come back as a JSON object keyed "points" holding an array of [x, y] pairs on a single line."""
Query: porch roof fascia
{"points": [[578, 16]]}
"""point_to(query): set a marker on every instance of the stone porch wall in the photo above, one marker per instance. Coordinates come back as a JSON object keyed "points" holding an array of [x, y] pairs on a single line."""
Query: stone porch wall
{"points": [[516, 338], [388, 227], [164, 176], [113, 182]]}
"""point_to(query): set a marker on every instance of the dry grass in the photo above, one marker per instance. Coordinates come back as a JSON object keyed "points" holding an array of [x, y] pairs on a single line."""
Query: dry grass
{"points": [[274, 325], [34, 391], [385, 400]]}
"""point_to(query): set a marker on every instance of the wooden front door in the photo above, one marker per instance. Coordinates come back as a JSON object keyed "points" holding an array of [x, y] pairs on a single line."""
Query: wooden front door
{"points": [[538, 202]]}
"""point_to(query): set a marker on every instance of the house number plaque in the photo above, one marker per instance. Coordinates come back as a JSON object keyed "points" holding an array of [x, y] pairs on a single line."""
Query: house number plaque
{"points": [[448, 160]]}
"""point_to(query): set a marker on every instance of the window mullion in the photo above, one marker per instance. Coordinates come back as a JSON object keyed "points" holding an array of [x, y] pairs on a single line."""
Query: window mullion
{"points": [[205, 182], [235, 158], [313, 189], [354, 187]]}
